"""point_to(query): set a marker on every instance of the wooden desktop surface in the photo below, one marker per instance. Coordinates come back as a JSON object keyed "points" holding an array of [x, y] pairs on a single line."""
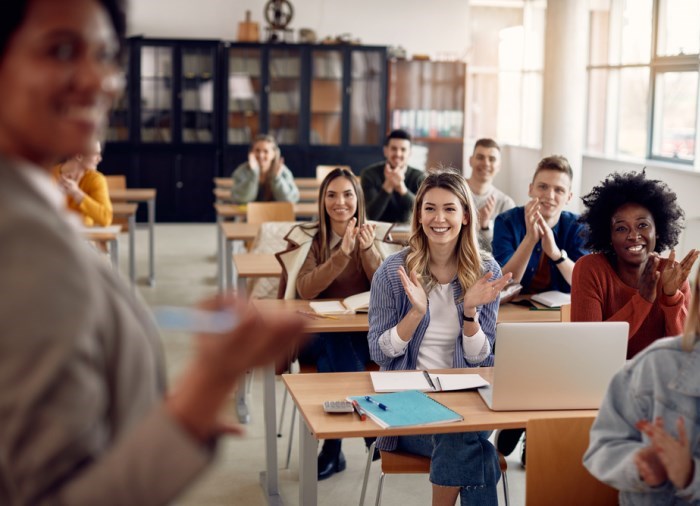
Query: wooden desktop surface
{"points": [[301, 182], [132, 195], [305, 194], [124, 210], [339, 323], [257, 265], [301, 210], [309, 393]]}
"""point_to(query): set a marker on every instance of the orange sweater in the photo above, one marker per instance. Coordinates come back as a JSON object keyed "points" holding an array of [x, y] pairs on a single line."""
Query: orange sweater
{"points": [[96, 207], [598, 294]]}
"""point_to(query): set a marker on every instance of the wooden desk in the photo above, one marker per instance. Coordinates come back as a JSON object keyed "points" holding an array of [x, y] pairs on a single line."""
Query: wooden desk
{"points": [[253, 265], [344, 323], [109, 235], [309, 393], [238, 212], [305, 195], [128, 211], [138, 195], [301, 182]]}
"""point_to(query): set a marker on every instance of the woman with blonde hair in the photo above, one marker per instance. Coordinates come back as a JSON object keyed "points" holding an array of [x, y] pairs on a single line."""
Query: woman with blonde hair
{"points": [[645, 441], [434, 306], [85, 187]]}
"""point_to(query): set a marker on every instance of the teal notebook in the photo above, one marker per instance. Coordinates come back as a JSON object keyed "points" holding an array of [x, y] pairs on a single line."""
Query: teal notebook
{"points": [[406, 408]]}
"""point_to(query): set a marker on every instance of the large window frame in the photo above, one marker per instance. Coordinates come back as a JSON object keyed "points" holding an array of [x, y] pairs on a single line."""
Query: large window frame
{"points": [[656, 66]]}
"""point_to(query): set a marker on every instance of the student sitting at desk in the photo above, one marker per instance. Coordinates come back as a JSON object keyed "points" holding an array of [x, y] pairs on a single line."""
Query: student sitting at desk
{"points": [[645, 440], [631, 219], [85, 187], [264, 177], [434, 306], [333, 259]]}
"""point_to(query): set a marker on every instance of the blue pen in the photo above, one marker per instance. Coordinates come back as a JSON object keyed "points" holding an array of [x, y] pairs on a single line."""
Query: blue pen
{"points": [[378, 404]]}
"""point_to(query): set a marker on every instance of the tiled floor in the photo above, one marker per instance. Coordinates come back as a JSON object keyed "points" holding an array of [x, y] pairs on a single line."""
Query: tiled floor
{"points": [[185, 273]]}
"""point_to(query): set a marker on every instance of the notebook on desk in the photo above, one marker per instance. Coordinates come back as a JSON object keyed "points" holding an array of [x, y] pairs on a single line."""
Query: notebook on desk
{"points": [[554, 365]]}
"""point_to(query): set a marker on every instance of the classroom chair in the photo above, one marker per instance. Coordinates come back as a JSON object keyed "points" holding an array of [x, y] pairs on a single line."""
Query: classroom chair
{"points": [[555, 474], [323, 170], [409, 463]]}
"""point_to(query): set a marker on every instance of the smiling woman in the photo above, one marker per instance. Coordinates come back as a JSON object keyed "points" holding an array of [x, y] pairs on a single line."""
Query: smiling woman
{"points": [[630, 220], [85, 417]]}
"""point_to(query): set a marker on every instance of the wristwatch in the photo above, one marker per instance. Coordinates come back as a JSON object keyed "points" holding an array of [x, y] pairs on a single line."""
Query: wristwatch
{"points": [[471, 319], [564, 256]]}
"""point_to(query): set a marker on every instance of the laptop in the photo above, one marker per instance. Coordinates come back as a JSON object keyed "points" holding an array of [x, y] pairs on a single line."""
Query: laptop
{"points": [[554, 365]]}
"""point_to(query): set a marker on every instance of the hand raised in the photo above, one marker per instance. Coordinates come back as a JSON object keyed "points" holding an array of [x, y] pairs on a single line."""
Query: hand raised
{"points": [[549, 243], [366, 236], [675, 273], [253, 163], [649, 278], [388, 184], [532, 210], [485, 291], [349, 237], [414, 291], [486, 211], [649, 467]]}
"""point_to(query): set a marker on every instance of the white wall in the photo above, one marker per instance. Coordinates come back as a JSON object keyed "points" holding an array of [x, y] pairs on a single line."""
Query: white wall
{"points": [[382, 22]]}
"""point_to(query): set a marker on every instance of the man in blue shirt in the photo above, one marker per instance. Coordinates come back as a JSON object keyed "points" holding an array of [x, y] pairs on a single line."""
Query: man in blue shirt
{"points": [[540, 242]]}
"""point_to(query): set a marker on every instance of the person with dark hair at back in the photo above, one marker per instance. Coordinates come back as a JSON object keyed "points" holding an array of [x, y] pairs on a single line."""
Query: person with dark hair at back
{"points": [[390, 186], [630, 220], [539, 243], [84, 414], [485, 163]]}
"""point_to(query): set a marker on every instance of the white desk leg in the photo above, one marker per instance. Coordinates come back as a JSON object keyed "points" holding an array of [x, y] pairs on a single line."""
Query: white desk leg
{"points": [[219, 253], [132, 249], [308, 466], [269, 478], [151, 203], [114, 253]]}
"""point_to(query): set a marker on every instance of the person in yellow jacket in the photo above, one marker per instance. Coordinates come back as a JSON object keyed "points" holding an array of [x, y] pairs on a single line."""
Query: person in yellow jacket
{"points": [[86, 188]]}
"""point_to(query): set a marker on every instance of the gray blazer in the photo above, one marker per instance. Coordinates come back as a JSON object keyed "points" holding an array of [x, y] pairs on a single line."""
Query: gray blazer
{"points": [[81, 371]]}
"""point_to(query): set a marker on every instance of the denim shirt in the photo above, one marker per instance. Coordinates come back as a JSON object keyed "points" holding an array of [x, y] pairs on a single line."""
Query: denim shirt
{"points": [[509, 231], [661, 381]]}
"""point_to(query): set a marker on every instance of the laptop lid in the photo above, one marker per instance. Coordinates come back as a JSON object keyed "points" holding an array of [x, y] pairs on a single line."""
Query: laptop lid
{"points": [[555, 365]]}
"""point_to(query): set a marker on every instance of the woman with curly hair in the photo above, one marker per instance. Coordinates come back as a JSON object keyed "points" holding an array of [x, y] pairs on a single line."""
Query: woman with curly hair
{"points": [[630, 220], [434, 305]]}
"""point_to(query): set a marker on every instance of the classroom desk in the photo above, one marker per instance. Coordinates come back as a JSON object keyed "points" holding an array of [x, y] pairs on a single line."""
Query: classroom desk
{"points": [[305, 195], [301, 182], [249, 266], [309, 393], [128, 211], [238, 212], [138, 195], [343, 323], [109, 235]]}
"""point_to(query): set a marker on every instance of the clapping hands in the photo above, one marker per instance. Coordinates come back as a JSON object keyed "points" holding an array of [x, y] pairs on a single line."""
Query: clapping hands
{"points": [[414, 291], [666, 458], [363, 234], [485, 291], [671, 277]]}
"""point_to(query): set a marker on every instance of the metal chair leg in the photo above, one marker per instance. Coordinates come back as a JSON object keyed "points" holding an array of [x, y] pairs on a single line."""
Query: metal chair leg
{"points": [[241, 406], [370, 454], [504, 479], [284, 406], [380, 488], [249, 381], [291, 436]]}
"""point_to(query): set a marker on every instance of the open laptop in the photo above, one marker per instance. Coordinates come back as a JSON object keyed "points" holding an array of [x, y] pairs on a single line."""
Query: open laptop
{"points": [[554, 365]]}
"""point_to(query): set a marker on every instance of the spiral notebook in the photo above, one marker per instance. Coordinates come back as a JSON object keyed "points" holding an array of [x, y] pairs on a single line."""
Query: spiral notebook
{"points": [[405, 409]]}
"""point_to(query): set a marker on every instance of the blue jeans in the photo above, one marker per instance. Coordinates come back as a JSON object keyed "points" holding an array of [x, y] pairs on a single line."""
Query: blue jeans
{"points": [[463, 459], [337, 352]]}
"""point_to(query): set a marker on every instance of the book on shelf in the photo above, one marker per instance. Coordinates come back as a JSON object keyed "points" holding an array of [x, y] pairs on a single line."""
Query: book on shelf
{"points": [[552, 298], [358, 303], [398, 381], [403, 409]]}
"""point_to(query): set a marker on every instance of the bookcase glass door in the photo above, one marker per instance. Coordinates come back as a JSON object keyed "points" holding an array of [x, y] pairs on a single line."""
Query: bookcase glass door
{"points": [[284, 96], [156, 94], [197, 90], [244, 88], [367, 69], [326, 97], [119, 115]]}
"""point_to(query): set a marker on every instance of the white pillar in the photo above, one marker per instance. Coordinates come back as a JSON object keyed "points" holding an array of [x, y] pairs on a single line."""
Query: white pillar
{"points": [[564, 85]]}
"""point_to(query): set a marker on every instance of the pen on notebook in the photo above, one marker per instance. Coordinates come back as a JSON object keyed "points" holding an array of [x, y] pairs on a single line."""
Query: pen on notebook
{"points": [[429, 380], [360, 412], [376, 403], [439, 385]]}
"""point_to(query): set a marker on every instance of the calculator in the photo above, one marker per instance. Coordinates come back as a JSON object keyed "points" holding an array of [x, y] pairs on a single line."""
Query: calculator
{"points": [[337, 407]]}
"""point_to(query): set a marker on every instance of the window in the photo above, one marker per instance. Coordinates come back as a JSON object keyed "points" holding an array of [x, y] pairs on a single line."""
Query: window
{"points": [[643, 78]]}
